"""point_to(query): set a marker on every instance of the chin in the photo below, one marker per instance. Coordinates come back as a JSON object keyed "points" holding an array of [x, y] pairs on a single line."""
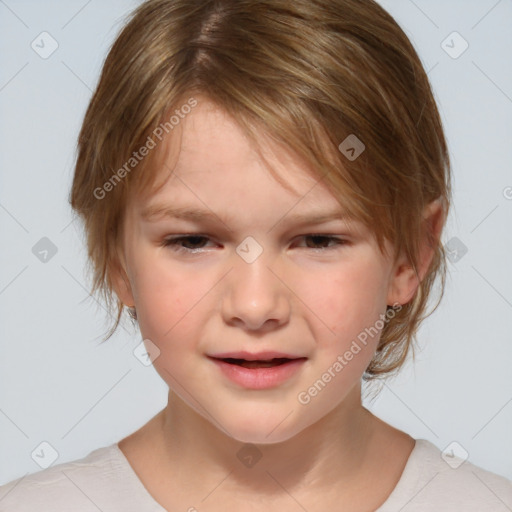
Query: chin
{"points": [[266, 429]]}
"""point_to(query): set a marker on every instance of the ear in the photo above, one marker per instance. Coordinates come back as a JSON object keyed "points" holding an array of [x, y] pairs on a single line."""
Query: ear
{"points": [[405, 280], [120, 281]]}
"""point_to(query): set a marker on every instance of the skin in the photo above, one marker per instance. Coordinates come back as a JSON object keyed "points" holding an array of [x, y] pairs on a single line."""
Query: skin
{"points": [[306, 297]]}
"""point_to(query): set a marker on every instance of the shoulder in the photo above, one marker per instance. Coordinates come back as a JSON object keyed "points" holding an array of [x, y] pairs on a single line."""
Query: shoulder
{"points": [[437, 481], [92, 483]]}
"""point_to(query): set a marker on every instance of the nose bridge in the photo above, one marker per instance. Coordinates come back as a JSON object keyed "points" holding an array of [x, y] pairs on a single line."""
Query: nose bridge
{"points": [[254, 294]]}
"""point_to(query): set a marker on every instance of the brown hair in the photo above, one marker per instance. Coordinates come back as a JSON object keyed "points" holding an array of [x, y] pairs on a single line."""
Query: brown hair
{"points": [[307, 73]]}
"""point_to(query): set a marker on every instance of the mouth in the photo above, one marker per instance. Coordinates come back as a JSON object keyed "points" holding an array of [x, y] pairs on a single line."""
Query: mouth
{"points": [[258, 371]]}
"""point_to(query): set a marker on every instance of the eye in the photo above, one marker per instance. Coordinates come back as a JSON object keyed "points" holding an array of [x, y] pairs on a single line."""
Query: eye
{"points": [[321, 242], [195, 243], [190, 243]]}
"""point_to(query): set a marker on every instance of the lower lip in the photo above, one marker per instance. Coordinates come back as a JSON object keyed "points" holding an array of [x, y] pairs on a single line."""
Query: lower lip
{"points": [[259, 378]]}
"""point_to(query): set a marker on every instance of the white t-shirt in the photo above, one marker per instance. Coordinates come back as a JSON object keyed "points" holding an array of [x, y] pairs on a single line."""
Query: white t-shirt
{"points": [[104, 481]]}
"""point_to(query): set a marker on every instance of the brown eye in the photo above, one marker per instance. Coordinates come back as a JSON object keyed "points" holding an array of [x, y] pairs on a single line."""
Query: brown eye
{"points": [[187, 243], [322, 241]]}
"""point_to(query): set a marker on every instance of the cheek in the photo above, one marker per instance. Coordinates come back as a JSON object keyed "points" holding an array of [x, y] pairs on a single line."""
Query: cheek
{"points": [[345, 308], [345, 300], [165, 298]]}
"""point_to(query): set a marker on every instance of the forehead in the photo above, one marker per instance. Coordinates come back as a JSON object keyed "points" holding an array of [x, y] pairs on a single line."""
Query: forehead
{"points": [[210, 160]]}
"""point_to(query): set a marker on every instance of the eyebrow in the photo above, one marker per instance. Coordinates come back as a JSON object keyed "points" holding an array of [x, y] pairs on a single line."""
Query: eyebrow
{"points": [[155, 212]]}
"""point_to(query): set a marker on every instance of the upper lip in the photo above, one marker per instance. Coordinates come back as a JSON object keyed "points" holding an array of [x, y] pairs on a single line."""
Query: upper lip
{"points": [[256, 356]]}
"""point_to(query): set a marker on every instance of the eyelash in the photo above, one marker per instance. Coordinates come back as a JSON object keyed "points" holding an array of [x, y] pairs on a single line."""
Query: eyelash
{"points": [[173, 243]]}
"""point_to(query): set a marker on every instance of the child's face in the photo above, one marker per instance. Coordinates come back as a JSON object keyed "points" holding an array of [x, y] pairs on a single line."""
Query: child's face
{"points": [[302, 297]]}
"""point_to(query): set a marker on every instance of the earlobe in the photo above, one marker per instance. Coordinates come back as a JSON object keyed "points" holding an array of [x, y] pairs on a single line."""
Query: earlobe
{"points": [[406, 279]]}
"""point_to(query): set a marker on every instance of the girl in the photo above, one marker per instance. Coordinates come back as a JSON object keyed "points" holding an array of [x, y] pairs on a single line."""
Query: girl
{"points": [[264, 185]]}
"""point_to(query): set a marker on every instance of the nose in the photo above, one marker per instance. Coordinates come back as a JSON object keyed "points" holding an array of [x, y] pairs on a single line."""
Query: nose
{"points": [[255, 297]]}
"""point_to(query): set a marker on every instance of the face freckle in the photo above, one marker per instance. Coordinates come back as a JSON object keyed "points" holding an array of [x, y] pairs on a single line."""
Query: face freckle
{"points": [[257, 277]]}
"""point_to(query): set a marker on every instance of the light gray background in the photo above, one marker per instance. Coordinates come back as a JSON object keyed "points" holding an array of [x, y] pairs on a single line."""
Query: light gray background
{"points": [[59, 385]]}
